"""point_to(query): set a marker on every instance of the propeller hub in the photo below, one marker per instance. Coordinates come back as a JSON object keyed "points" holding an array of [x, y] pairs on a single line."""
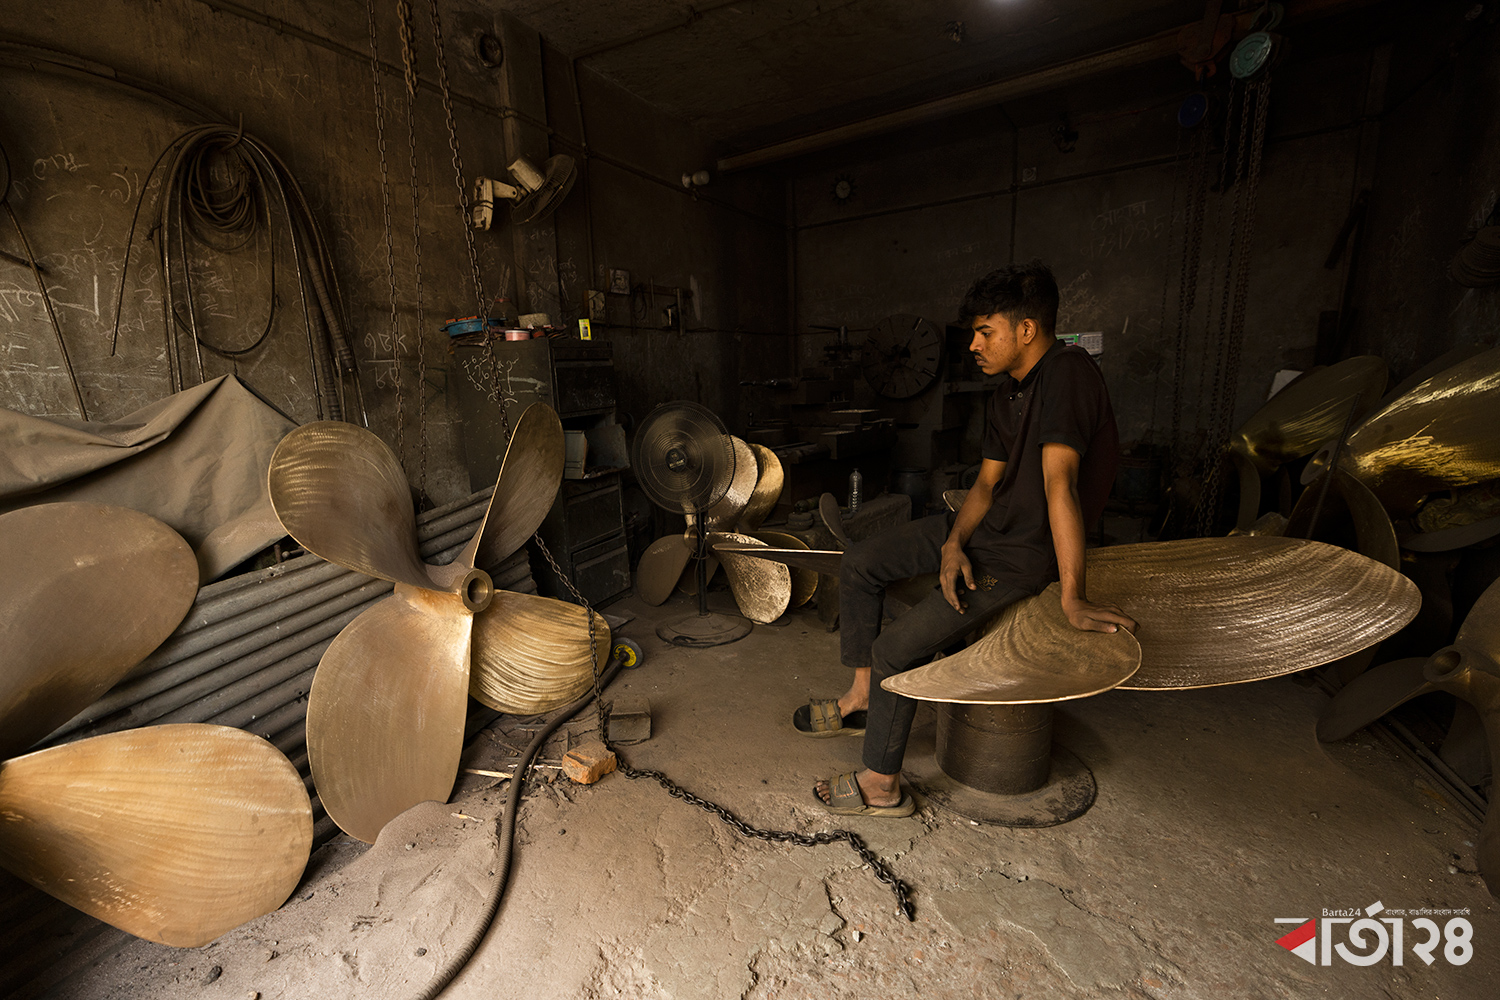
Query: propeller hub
{"points": [[476, 589]]}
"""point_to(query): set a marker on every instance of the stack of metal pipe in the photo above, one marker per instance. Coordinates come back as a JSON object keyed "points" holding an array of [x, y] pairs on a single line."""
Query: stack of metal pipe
{"points": [[245, 654]]}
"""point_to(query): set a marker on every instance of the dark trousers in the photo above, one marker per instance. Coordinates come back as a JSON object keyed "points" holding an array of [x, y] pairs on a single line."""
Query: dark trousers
{"points": [[899, 554]]}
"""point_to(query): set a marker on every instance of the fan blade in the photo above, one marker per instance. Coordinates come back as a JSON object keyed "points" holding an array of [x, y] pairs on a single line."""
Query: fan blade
{"points": [[531, 654], [385, 715], [1372, 694], [726, 512], [340, 492], [761, 588], [88, 591], [527, 485], [833, 517], [660, 567], [804, 581], [771, 477], [173, 833], [1228, 610], [1310, 411], [1439, 435], [817, 560], [1351, 516], [1029, 654]]}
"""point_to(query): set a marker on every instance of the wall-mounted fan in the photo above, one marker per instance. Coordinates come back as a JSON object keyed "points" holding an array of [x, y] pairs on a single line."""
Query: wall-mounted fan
{"points": [[535, 194], [684, 461]]}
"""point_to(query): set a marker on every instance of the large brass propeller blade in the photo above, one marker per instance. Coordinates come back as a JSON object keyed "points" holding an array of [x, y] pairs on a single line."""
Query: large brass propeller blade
{"points": [[1300, 417], [804, 581], [173, 833], [661, 565], [531, 654], [768, 484], [725, 513], [817, 560], [385, 714], [87, 591], [1351, 516], [1213, 611], [524, 490], [340, 492], [1439, 435], [1030, 653], [1372, 694], [761, 588]]}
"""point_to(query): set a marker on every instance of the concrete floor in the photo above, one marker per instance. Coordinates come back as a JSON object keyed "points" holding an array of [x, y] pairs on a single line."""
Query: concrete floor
{"points": [[1217, 812]]}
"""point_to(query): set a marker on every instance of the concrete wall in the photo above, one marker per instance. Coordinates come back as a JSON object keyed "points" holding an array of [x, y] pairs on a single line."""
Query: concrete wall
{"points": [[297, 73], [1437, 178], [936, 207]]}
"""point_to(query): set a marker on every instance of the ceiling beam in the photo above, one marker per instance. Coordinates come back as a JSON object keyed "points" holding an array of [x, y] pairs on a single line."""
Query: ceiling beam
{"points": [[1163, 45]]}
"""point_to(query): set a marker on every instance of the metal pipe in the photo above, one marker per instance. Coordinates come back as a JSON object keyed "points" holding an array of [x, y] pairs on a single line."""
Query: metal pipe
{"points": [[271, 711], [229, 694]]}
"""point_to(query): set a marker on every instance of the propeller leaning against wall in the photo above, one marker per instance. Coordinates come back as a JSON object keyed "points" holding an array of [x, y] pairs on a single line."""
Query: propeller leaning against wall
{"points": [[173, 833], [385, 714]]}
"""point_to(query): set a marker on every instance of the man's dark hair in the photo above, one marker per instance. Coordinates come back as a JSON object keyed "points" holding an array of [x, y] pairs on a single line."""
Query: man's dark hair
{"points": [[1016, 291]]}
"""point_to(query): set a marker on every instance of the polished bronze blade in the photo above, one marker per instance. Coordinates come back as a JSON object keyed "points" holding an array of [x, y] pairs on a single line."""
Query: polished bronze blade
{"points": [[726, 512], [385, 715], [87, 590], [173, 833], [525, 489], [833, 517], [1249, 477], [770, 479], [1227, 610], [1439, 435], [804, 581], [762, 589], [1451, 539], [817, 560], [1310, 411], [1438, 364], [1028, 654], [531, 654], [660, 567], [1351, 516], [340, 492], [1372, 694]]}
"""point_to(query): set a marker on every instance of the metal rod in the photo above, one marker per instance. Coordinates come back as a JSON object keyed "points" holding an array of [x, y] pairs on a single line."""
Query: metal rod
{"points": [[273, 709], [41, 287]]}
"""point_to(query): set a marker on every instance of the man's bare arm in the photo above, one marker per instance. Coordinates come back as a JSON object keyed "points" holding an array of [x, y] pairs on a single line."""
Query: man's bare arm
{"points": [[1065, 514], [976, 505]]}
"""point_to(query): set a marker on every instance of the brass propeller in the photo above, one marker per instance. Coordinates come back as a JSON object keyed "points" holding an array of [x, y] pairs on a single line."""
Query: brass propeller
{"points": [[770, 478], [1438, 435], [804, 581], [1029, 653], [762, 588], [1304, 414], [661, 565], [88, 590], [725, 513], [1349, 507], [173, 833], [387, 704]]}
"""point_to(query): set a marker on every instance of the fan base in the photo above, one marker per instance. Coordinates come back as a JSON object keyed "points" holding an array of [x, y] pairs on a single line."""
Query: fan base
{"points": [[702, 631]]}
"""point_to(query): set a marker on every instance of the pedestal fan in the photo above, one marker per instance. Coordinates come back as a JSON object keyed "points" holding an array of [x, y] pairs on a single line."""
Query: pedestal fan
{"points": [[684, 461]]}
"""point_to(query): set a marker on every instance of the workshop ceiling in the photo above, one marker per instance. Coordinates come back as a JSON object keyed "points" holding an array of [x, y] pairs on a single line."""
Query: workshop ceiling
{"points": [[754, 71]]}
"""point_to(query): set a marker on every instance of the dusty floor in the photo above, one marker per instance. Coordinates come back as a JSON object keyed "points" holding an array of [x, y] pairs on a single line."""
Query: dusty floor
{"points": [[1218, 812]]}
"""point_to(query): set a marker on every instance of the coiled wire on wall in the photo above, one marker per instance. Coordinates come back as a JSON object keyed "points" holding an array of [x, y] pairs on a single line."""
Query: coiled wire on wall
{"points": [[223, 191]]}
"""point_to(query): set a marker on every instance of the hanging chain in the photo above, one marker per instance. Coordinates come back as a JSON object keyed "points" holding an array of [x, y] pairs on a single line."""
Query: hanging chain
{"points": [[385, 206], [458, 163], [408, 58]]}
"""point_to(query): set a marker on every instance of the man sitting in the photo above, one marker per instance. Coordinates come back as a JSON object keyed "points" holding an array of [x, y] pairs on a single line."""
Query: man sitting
{"points": [[1050, 452]]}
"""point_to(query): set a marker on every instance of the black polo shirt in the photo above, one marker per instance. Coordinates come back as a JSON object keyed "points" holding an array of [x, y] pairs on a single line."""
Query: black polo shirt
{"points": [[1062, 400]]}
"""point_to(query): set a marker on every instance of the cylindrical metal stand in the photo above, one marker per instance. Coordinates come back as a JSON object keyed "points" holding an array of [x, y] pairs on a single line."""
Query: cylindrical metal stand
{"points": [[1005, 749]]}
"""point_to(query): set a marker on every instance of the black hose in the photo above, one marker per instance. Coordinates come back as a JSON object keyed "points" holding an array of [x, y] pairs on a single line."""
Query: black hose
{"points": [[506, 838]]}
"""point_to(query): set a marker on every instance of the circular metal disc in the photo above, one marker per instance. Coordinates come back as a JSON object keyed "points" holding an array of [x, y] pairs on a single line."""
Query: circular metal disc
{"points": [[88, 590], [174, 833], [531, 654], [1215, 611], [1028, 654], [1300, 417], [682, 457]]}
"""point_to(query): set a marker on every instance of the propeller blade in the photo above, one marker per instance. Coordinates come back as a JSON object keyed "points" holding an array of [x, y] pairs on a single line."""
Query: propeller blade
{"points": [[385, 714], [340, 492], [1216, 611], [88, 591], [1303, 415], [531, 654], [1439, 435], [1351, 517], [833, 517], [527, 485], [817, 560], [804, 581], [1372, 694], [727, 510], [660, 567], [771, 477], [1030, 653], [1438, 364], [762, 589], [174, 833]]}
